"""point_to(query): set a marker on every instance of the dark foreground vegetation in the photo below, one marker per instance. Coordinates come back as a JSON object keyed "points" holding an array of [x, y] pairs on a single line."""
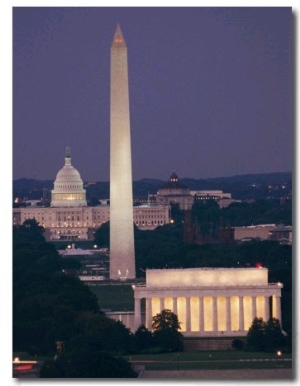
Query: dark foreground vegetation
{"points": [[164, 247], [57, 316]]}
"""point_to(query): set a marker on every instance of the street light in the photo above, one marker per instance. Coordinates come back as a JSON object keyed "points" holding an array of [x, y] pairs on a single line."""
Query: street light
{"points": [[278, 353]]}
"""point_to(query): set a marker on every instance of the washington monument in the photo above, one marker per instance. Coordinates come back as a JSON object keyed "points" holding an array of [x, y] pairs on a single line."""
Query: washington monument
{"points": [[122, 257]]}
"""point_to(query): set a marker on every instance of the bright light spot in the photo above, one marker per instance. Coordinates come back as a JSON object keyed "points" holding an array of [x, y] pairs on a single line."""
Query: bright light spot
{"points": [[258, 265], [16, 359], [279, 353]]}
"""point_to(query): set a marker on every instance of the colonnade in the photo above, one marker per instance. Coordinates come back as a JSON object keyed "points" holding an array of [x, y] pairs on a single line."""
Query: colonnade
{"points": [[212, 313]]}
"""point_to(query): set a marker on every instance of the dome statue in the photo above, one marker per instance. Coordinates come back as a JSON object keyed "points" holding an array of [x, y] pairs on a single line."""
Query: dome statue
{"points": [[68, 186]]}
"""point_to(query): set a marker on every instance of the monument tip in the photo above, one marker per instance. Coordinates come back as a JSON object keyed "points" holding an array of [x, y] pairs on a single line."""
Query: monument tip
{"points": [[118, 40]]}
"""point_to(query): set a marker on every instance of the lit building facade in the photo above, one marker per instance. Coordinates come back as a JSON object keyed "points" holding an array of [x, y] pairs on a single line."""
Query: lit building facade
{"points": [[174, 192], [80, 223], [68, 186], [69, 217], [209, 301], [260, 232]]}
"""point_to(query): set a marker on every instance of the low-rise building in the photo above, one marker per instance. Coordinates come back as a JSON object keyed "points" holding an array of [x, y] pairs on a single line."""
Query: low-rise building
{"points": [[69, 217], [209, 302], [260, 232], [280, 233], [174, 192]]}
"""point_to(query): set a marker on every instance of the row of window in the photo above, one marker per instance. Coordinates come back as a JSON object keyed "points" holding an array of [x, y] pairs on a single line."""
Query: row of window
{"points": [[67, 196], [144, 223], [149, 216], [62, 186]]}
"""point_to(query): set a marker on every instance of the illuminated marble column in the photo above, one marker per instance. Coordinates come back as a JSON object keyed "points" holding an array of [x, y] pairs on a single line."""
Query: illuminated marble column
{"points": [[201, 316], [175, 311], [241, 314], [254, 310], [161, 304], [149, 313], [267, 308], [215, 314], [122, 257], [278, 308], [228, 318], [188, 314], [137, 313]]}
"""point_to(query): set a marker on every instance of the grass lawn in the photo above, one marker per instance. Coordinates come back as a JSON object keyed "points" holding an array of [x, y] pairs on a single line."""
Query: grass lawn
{"points": [[209, 360], [114, 297]]}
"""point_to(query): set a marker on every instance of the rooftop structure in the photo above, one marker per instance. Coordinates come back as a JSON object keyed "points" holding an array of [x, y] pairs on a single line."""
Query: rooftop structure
{"points": [[68, 186]]}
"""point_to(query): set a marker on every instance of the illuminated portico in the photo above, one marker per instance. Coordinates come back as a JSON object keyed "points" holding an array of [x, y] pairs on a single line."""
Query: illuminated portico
{"points": [[210, 301]]}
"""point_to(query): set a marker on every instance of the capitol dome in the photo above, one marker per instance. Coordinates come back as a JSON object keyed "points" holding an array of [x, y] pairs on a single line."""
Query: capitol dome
{"points": [[68, 186]]}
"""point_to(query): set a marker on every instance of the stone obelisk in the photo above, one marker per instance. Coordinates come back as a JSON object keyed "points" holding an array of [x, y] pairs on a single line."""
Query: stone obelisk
{"points": [[122, 256]]}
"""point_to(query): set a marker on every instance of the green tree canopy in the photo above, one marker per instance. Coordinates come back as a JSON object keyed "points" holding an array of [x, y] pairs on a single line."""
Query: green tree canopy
{"points": [[82, 363], [143, 338], [265, 336], [102, 235], [165, 320], [256, 334], [166, 331], [274, 338]]}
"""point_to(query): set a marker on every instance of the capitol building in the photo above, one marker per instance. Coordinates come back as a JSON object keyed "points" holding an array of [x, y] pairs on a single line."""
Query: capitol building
{"points": [[70, 218]]}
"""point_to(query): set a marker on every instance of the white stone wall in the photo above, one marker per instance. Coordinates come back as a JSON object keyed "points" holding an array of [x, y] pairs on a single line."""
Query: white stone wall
{"points": [[210, 302], [256, 231], [206, 277], [78, 220]]}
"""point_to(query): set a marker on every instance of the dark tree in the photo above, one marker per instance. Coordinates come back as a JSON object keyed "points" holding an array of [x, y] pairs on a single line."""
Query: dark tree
{"points": [[168, 340], [238, 344], [274, 338], [207, 216], [165, 320], [265, 336], [256, 335], [166, 331], [143, 338], [102, 235], [81, 363], [71, 265], [103, 333], [176, 213], [29, 232], [94, 201]]}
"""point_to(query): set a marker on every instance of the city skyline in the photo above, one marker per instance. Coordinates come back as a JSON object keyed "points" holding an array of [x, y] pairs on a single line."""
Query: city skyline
{"points": [[210, 90]]}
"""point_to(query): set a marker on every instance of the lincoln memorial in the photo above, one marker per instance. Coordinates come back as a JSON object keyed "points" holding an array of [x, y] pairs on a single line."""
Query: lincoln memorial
{"points": [[209, 301]]}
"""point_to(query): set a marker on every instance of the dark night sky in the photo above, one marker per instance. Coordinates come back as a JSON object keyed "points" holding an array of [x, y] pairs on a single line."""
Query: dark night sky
{"points": [[210, 90]]}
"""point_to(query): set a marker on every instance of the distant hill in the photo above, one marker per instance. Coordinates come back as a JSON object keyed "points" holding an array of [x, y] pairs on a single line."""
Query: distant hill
{"points": [[248, 186], [30, 188]]}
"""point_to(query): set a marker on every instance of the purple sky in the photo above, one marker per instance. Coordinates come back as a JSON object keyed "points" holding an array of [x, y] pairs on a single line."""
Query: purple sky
{"points": [[210, 90]]}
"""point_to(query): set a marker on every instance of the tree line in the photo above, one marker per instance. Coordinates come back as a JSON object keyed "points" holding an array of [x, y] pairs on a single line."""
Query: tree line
{"points": [[55, 315], [50, 306]]}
